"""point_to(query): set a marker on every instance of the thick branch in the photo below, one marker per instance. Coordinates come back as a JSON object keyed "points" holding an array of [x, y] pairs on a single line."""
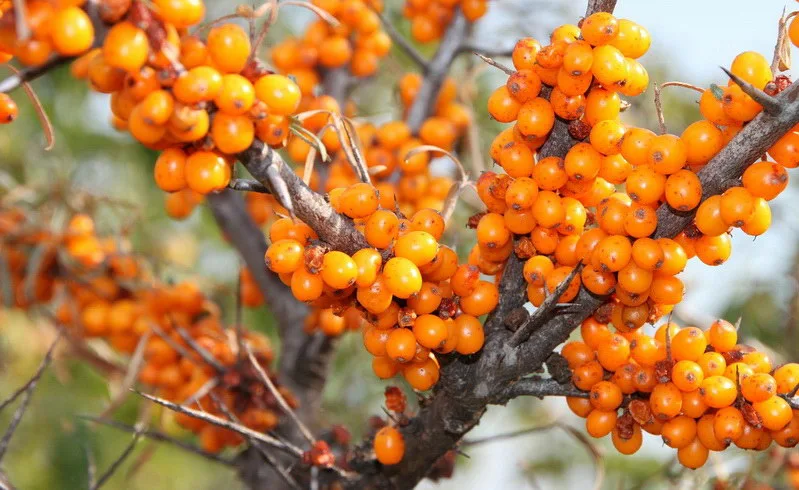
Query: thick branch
{"points": [[310, 207], [437, 70], [595, 6]]}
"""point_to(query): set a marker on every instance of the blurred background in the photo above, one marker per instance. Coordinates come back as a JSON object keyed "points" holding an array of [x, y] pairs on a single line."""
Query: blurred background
{"points": [[759, 283]]}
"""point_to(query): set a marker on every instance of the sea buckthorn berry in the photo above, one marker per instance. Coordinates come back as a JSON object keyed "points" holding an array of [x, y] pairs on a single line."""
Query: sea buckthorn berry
{"points": [[600, 423], [758, 361], [229, 47], [641, 221], [599, 28], [613, 352], [609, 66], [786, 150], [738, 105], [712, 107], [430, 331], [206, 172], [502, 106], [430, 221], [368, 261], [718, 391], [427, 300], [401, 345], [736, 206], [535, 118], [683, 190], [708, 217], [679, 432], [8, 109], [421, 375], [787, 377], [665, 401], [492, 232], [180, 13], [606, 136], [760, 221], [647, 253], [694, 455], [765, 179], [722, 336], [339, 270], [71, 31], [637, 79], [482, 300], [417, 246], [666, 290], [582, 162], [548, 210], [753, 68], [470, 334], [279, 93], [524, 85], [359, 200], [632, 39], [714, 250], [645, 186], [126, 47], [577, 353], [667, 154], [612, 253], [774, 412], [284, 256], [693, 405], [688, 344], [517, 160], [687, 375], [580, 406], [199, 84], [382, 227], [232, 134], [169, 172], [758, 387], [702, 141], [237, 95], [605, 396], [586, 376], [402, 277], [629, 445], [389, 446]]}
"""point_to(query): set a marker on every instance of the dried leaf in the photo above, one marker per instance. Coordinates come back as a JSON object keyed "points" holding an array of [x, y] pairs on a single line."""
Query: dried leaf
{"points": [[462, 182], [351, 149], [323, 14], [47, 126], [311, 139]]}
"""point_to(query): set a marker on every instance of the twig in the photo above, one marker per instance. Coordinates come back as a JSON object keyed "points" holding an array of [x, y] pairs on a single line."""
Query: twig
{"points": [[160, 437], [770, 104], [206, 356], [48, 357], [134, 366], [248, 185], [683, 85], [659, 109], [437, 71], [117, 462], [214, 420], [543, 312], [91, 466], [495, 64], [201, 391], [29, 74], [540, 388], [15, 420], [280, 400], [402, 42], [309, 206]]}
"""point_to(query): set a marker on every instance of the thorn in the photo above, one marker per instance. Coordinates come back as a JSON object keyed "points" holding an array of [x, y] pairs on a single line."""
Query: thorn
{"points": [[770, 104]]}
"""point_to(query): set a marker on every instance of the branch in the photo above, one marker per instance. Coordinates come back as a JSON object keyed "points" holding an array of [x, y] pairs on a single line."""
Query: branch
{"points": [[438, 67], [595, 6], [36, 376], [247, 185], [117, 462], [160, 437], [310, 207], [401, 41], [543, 387], [31, 73]]}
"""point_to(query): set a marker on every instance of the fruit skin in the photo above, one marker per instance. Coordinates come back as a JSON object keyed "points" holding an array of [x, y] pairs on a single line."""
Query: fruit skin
{"points": [[389, 445]]}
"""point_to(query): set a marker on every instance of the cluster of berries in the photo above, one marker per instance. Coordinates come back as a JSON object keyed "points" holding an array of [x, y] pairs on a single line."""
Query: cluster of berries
{"points": [[96, 289], [700, 390], [407, 292], [357, 41], [430, 19]]}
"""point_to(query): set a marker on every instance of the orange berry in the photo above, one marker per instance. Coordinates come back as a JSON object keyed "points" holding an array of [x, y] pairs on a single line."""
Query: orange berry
{"points": [[679, 432], [470, 334], [206, 172], [279, 93], [599, 28], [389, 446], [775, 412], [402, 277], [339, 270], [718, 391], [71, 31]]}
